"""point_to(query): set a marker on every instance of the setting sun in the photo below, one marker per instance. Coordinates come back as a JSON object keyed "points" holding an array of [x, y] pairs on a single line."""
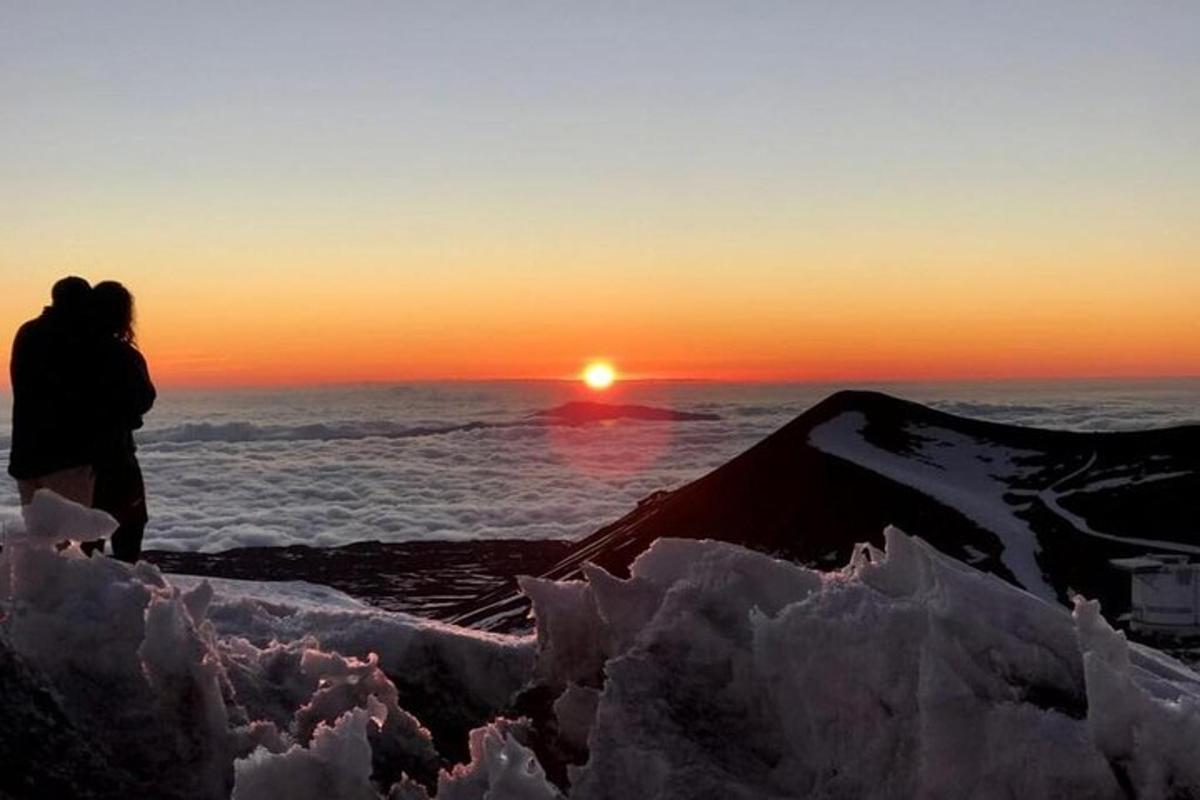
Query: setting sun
{"points": [[599, 375]]}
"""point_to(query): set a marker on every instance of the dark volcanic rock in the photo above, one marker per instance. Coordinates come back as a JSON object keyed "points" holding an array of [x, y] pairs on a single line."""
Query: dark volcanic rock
{"points": [[424, 578], [581, 412], [43, 754], [998, 496]]}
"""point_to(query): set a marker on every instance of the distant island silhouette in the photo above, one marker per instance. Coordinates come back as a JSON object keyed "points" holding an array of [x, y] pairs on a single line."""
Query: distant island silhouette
{"points": [[581, 411]]}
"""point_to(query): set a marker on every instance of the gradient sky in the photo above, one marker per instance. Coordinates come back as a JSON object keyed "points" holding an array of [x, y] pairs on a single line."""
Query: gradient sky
{"points": [[348, 191]]}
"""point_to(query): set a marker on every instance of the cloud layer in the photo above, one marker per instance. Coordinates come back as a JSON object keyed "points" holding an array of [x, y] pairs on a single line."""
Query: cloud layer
{"points": [[396, 463]]}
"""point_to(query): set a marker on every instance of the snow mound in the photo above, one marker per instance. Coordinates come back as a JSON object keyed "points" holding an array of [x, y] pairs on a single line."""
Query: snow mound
{"points": [[254, 690], [712, 672], [717, 672]]}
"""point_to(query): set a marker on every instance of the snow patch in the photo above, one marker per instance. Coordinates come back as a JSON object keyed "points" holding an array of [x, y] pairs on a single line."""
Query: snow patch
{"points": [[970, 481]]}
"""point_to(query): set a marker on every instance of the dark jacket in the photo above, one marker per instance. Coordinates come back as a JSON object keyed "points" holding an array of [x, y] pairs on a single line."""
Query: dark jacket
{"points": [[125, 395], [52, 422]]}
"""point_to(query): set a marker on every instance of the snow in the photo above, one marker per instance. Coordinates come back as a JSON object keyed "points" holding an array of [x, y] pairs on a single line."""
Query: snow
{"points": [[967, 475], [1053, 495], [501, 768], [337, 763], [50, 513], [184, 678], [1150, 740], [290, 594], [728, 674], [974, 476], [1126, 481], [712, 671]]}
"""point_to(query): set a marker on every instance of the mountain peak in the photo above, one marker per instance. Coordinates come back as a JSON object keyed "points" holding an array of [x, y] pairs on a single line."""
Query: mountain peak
{"points": [[1045, 510]]}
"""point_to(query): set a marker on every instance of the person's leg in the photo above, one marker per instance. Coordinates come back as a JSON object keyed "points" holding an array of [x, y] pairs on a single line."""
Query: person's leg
{"points": [[127, 539], [26, 488], [121, 492], [73, 483]]}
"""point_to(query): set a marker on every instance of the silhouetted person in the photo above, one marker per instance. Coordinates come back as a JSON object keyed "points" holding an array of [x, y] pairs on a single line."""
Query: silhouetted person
{"points": [[124, 396], [52, 427]]}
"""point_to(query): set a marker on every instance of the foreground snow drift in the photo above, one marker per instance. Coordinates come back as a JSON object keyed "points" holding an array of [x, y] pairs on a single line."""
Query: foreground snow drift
{"points": [[904, 675], [712, 671], [174, 684]]}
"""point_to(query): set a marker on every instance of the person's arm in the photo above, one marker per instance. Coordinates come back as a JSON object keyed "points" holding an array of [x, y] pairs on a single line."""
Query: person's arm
{"points": [[127, 392], [142, 393], [17, 367]]}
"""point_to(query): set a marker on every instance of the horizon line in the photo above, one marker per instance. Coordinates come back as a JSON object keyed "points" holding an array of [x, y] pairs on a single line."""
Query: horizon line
{"points": [[643, 380]]}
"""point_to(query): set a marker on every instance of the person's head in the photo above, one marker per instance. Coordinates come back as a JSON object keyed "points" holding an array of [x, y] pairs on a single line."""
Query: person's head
{"points": [[112, 310], [70, 295]]}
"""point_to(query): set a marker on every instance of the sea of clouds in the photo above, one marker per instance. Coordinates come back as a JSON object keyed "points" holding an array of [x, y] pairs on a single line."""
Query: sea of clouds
{"points": [[464, 460]]}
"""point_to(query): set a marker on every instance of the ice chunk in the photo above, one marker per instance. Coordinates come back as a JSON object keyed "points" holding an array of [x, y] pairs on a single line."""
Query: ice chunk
{"points": [[1150, 742], [501, 768], [571, 644], [53, 518], [337, 764], [906, 674]]}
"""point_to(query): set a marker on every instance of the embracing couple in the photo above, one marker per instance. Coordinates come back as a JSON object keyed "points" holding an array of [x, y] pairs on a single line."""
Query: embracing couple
{"points": [[80, 389]]}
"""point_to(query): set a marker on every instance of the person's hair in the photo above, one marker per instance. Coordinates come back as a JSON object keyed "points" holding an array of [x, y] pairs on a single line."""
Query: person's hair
{"points": [[70, 294], [112, 311]]}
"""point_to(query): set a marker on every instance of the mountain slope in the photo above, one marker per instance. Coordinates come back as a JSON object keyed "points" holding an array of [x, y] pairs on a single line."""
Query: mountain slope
{"points": [[1042, 509]]}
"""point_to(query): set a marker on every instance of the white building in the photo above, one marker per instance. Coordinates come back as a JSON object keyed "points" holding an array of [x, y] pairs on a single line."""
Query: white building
{"points": [[1164, 593]]}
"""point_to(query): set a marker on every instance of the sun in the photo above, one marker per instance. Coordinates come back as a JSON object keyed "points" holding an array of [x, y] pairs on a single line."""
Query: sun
{"points": [[599, 375]]}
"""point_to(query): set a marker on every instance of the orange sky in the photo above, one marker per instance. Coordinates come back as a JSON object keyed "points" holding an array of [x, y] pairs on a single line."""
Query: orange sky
{"points": [[376, 324], [821, 192]]}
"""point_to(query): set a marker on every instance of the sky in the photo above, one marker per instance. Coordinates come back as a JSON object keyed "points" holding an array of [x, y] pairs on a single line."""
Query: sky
{"points": [[371, 191]]}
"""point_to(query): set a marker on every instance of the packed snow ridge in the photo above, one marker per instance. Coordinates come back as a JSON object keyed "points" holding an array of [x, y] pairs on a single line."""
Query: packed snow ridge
{"points": [[712, 672]]}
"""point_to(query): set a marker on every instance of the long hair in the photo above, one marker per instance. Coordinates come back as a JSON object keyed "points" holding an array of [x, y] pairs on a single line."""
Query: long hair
{"points": [[112, 311]]}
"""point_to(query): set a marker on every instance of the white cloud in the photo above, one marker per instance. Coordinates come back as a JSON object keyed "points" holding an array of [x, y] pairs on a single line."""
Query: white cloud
{"points": [[333, 467]]}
